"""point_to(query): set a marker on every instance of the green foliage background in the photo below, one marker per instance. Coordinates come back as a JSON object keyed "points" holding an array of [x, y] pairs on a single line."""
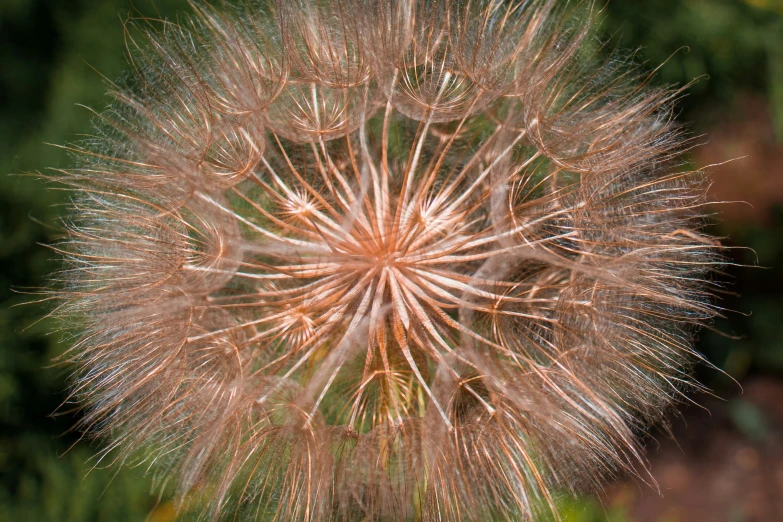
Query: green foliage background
{"points": [[50, 51]]}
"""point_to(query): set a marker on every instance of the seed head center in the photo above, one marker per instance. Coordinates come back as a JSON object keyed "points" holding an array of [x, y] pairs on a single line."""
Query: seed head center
{"points": [[386, 259]]}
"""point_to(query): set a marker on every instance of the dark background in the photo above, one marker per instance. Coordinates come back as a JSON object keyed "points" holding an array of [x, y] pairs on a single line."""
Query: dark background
{"points": [[727, 462]]}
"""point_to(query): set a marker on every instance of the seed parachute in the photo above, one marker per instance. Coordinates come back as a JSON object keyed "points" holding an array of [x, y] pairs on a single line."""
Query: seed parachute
{"points": [[375, 260]]}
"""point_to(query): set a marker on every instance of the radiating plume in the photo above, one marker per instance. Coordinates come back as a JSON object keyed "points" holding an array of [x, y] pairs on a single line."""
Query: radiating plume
{"points": [[382, 260]]}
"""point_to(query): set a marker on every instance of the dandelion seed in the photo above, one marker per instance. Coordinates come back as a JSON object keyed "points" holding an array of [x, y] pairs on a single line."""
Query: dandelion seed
{"points": [[371, 260]]}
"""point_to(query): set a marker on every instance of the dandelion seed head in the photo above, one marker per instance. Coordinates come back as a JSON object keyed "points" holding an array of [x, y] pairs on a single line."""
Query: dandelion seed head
{"points": [[370, 260]]}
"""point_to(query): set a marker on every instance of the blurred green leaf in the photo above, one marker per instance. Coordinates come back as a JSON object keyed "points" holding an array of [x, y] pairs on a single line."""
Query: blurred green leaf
{"points": [[749, 419]]}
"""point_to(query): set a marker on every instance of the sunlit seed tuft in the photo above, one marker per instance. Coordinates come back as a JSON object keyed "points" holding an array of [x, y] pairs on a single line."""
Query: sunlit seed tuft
{"points": [[373, 260]]}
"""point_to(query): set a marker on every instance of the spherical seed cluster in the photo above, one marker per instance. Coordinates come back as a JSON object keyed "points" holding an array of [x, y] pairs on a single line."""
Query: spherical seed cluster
{"points": [[374, 260]]}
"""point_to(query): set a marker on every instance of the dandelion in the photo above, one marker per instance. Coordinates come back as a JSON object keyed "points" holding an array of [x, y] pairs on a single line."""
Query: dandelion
{"points": [[373, 260]]}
